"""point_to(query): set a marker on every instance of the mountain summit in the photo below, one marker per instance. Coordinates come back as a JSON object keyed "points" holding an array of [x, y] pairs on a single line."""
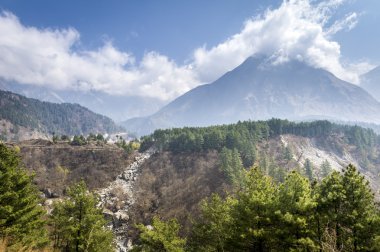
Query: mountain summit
{"points": [[258, 90]]}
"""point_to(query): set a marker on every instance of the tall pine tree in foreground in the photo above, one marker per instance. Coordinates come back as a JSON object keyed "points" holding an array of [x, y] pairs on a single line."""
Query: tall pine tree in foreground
{"points": [[160, 237], [360, 215], [337, 214], [78, 225], [253, 213], [214, 229], [295, 214], [21, 218]]}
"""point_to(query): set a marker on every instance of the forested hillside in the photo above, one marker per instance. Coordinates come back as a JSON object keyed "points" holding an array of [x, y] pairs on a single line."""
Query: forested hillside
{"points": [[46, 117], [194, 163], [244, 137], [338, 213]]}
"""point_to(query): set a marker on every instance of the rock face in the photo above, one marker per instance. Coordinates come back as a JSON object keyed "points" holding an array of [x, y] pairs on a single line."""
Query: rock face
{"points": [[118, 197]]}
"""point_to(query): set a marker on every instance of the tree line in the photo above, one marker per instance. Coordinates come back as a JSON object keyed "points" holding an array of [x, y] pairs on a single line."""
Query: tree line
{"points": [[244, 136]]}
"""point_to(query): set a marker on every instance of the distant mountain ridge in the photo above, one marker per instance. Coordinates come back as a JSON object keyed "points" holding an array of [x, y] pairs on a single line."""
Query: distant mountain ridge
{"points": [[117, 107], [19, 111], [371, 82], [259, 90]]}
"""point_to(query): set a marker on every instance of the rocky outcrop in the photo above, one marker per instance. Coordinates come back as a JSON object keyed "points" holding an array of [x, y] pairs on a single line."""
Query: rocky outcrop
{"points": [[118, 197]]}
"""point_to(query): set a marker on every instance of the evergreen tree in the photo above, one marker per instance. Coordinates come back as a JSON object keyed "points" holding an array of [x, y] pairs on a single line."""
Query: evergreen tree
{"points": [[237, 169], [295, 214], [213, 231], [329, 210], [276, 172], [348, 211], [288, 154], [325, 169], [249, 154], [160, 237], [264, 164], [253, 213], [232, 166], [21, 222], [308, 167], [360, 214], [78, 225], [339, 214]]}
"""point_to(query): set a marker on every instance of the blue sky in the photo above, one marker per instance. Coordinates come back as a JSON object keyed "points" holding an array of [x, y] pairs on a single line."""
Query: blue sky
{"points": [[164, 48], [173, 28]]}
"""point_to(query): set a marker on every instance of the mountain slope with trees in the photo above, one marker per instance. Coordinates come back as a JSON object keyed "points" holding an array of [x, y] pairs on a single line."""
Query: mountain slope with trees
{"points": [[338, 213], [262, 212], [49, 118], [116, 107], [193, 163]]}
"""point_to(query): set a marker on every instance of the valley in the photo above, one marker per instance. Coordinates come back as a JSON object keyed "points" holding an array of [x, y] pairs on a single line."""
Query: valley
{"points": [[174, 173], [190, 126], [199, 148]]}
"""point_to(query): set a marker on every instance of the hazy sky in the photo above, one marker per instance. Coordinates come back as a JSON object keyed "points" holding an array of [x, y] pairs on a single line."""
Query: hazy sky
{"points": [[164, 48]]}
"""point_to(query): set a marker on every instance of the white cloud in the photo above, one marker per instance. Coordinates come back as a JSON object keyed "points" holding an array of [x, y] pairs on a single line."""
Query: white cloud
{"points": [[298, 29], [46, 58], [348, 23]]}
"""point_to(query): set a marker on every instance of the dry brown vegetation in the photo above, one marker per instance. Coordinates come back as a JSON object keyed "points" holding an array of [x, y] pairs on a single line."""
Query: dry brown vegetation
{"points": [[5, 248], [58, 165], [172, 185]]}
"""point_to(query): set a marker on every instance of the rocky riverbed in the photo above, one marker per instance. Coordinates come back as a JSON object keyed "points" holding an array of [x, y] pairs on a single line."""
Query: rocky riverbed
{"points": [[118, 197]]}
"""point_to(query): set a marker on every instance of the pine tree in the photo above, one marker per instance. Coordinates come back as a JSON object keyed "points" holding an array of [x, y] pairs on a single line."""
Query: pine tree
{"points": [[360, 214], [21, 218], [225, 160], [253, 213], [308, 167], [237, 169], [288, 155], [213, 230], [264, 163], [249, 154], [78, 225], [295, 213], [325, 169], [330, 200], [232, 166], [348, 211], [160, 237]]}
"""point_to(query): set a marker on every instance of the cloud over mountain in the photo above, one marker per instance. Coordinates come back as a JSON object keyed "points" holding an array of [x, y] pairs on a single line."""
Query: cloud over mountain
{"points": [[297, 29]]}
